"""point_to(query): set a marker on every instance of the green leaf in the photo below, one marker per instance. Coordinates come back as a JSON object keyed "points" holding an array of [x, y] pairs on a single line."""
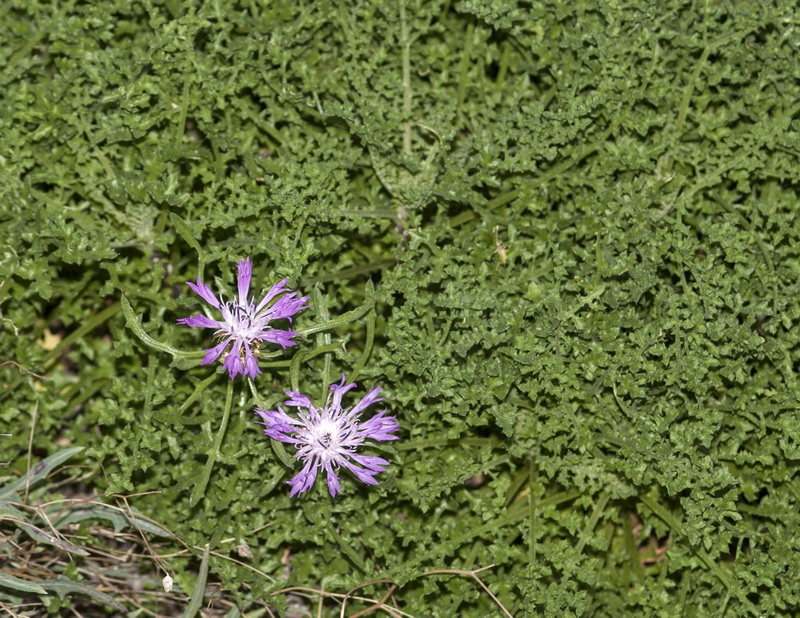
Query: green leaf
{"points": [[48, 538], [199, 588], [63, 586], [23, 585], [38, 472], [119, 519]]}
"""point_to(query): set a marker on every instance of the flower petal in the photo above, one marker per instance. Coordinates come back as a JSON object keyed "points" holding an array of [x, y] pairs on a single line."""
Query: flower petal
{"points": [[379, 427], [370, 398], [232, 361], [365, 476], [297, 400], [305, 480], [371, 462], [200, 321], [251, 367], [245, 268], [287, 306], [333, 480], [338, 391], [278, 425], [204, 292], [276, 289], [282, 337], [212, 354]]}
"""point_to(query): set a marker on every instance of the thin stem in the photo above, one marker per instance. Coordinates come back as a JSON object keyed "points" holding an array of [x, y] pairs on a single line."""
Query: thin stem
{"points": [[463, 69], [180, 127], [226, 415], [587, 531], [202, 482], [367, 350], [407, 94], [473, 575], [533, 513], [323, 339], [34, 416], [197, 392]]}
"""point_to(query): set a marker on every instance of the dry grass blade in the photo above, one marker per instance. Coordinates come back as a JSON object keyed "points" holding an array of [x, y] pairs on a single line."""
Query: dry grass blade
{"points": [[380, 604]]}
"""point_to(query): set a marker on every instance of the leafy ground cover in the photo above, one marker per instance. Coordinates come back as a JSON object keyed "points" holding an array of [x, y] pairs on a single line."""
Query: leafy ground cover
{"points": [[561, 237]]}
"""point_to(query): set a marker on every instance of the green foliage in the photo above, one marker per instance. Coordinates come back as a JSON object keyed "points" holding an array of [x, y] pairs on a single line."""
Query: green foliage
{"points": [[562, 237]]}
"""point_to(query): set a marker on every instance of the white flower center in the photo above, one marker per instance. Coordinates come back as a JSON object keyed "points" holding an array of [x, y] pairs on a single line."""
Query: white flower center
{"points": [[324, 438], [241, 321]]}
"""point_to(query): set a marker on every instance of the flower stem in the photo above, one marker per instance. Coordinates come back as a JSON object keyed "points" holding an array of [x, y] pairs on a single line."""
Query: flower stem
{"points": [[226, 415], [199, 490]]}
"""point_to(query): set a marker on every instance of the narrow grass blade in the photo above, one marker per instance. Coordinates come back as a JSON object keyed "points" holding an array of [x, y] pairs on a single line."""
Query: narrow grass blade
{"points": [[200, 588]]}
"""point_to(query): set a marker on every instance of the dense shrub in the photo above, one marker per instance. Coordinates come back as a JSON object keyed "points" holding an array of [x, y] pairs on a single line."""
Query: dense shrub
{"points": [[561, 236]]}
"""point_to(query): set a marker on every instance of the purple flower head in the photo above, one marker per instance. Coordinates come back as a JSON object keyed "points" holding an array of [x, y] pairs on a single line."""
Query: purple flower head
{"points": [[244, 324], [327, 438]]}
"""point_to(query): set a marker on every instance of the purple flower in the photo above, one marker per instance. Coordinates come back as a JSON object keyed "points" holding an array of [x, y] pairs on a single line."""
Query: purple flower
{"points": [[244, 324], [327, 438]]}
